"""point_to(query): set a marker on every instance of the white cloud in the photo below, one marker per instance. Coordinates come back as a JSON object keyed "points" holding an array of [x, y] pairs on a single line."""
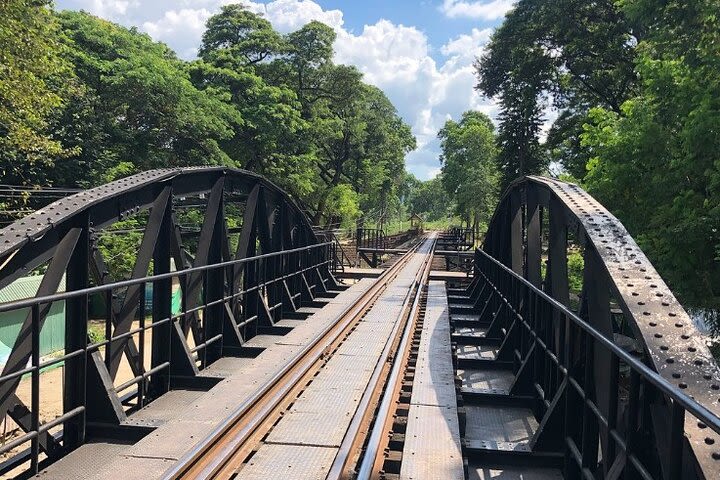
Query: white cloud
{"points": [[467, 46], [110, 9], [181, 29], [492, 10], [289, 15]]}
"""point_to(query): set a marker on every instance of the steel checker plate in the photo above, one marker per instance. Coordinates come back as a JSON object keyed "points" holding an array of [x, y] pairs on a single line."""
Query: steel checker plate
{"points": [[432, 444], [86, 459], [168, 406], [289, 461], [476, 352], [498, 425], [487, 381], [434, 380], [171, 440]]}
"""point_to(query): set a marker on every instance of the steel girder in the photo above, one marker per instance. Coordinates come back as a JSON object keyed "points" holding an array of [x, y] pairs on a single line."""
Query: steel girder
{"points": [[63, 235], [616, 268]]}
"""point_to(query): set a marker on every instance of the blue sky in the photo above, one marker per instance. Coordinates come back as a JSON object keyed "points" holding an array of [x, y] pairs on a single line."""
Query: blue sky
{"points": [[419, 52]]}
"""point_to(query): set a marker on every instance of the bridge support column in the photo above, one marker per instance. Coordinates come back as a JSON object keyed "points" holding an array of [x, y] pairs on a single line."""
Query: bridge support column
{"points": [[597, 300], [162, 305], [533, 251], [76, 323]]}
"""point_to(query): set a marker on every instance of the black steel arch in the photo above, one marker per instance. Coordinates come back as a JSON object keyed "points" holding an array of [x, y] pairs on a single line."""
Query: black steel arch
{"points": [[31, 241], [614, 268], [278, 264]]}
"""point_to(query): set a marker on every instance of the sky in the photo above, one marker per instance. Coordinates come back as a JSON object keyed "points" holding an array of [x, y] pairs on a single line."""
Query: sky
{"points": [[420, 53]]}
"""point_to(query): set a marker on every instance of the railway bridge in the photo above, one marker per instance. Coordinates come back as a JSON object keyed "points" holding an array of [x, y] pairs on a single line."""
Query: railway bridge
{"points": [[239, 347]]}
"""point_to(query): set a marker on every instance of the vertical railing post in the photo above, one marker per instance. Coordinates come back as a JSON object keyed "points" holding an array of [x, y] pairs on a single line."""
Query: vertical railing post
{"points": [[677, 437], [633, 412], [162, 304], [141, 345], [35, 390], [76, 337], [534, 242]]}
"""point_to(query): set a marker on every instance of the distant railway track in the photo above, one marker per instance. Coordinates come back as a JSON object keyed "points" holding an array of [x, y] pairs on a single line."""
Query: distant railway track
{"points": [[222, 453]]}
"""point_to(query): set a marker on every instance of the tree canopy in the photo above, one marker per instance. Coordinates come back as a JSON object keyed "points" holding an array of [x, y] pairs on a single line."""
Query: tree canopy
{"points": [[32, 70], [470, 172], [635, 86], [81, 94]]}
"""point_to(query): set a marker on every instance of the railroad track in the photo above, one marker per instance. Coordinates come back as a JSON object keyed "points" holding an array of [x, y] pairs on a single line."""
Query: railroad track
{"points": [[225, 452]]}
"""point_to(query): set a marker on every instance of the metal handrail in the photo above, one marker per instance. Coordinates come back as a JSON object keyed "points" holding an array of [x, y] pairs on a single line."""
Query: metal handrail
{"points": [[29, 302], [649, 375]]}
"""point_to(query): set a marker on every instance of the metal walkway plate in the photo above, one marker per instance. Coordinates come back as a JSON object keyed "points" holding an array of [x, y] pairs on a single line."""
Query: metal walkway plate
{"points": [[486, 381], [432, 437], [226, 366], [181, 429], [470, 331], [466, 317], [434, 381], [476, 352], [476, 472], [432, 444], [288, 462], [499, 427], [321, 415], [84, 461], [170, 405]]}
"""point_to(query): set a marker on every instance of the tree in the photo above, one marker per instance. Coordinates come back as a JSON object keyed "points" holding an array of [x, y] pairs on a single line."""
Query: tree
{"points": [[573, 53], [238, 38], [308, 124], [469, 173], [32, 74], [430, 199], [136, 103], [655, 163]]}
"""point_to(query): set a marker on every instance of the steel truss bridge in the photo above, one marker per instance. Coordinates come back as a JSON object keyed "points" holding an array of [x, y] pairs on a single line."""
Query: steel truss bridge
{"points": [[234, 349]]}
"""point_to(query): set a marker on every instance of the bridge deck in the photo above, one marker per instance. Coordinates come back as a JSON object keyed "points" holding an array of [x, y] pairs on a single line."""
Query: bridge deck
{"points": [[432, 439], [181, 418], [305, 442], [497, 434]]}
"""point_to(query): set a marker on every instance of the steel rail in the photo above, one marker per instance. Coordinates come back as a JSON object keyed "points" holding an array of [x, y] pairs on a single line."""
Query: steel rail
{"points": [[372, 458], [215, 452]]}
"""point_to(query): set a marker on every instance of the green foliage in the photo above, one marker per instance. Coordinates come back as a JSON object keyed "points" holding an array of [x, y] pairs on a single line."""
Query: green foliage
{"points": [[470, 174], [573, 52], [238, 38], [32, 69], [342, 202], [119, 250], [430, 200], [656, 162], [309, 125], [576, 267], [137, 103], [84, 101], [637, 85], [96, 332]]}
